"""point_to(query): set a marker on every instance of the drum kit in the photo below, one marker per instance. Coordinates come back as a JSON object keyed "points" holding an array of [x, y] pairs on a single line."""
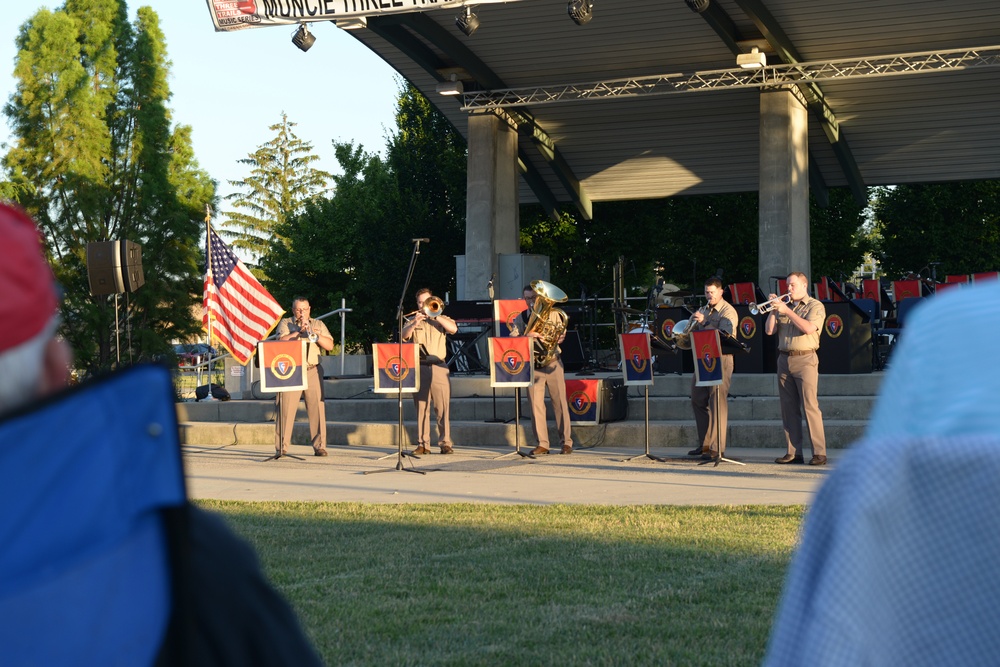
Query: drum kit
{"points": [[663, 295]]}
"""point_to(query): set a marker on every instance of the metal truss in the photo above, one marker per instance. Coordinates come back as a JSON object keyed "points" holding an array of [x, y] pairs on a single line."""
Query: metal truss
{"points": [[730, 79]]}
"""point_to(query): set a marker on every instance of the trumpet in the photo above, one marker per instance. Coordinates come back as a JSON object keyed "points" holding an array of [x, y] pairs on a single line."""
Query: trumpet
{"points": [[433, 306], [768, 306]]}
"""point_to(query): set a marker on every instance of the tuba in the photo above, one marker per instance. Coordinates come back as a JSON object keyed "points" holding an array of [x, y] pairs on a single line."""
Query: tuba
{"points": [[549, 332]]}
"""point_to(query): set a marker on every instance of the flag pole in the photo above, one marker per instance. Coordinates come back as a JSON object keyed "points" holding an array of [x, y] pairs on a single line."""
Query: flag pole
{"points": [[208, 308]]}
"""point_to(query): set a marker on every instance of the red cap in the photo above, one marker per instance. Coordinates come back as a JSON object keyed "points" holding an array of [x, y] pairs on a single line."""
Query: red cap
{"points": [[27, 287]]}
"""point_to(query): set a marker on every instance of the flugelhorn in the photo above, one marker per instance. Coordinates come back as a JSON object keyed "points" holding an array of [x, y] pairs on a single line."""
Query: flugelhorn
{"points": [[768, 306], [433, 306], [681, 332]]}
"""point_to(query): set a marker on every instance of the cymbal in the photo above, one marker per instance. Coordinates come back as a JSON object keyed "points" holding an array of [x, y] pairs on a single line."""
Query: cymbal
{"points": [[629, 311], [677, 293]]}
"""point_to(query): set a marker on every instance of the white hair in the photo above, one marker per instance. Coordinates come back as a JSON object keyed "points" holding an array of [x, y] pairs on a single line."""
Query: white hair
{"points": [[21, 368]]}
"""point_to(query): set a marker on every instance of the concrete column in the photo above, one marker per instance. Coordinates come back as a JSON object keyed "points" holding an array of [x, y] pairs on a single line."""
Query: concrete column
{"points": [[784, 187], [492, 223]]}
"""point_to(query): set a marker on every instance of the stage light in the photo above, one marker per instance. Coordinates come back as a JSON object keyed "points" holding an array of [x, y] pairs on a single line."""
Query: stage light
{"points": [[697, 6], [581, 11], [751, 60], [467, 22], [451, 87], [303, 38]]}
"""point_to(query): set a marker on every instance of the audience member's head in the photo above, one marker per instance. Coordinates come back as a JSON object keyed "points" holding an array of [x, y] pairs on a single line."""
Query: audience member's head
{"points": [[32, 360]]}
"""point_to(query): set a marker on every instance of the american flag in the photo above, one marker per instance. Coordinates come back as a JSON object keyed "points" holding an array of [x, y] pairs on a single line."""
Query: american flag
{"points": [[243, 312]]}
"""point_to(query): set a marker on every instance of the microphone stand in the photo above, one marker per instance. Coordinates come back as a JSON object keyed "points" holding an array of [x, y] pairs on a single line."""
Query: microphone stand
{"points": [[400, 454]]}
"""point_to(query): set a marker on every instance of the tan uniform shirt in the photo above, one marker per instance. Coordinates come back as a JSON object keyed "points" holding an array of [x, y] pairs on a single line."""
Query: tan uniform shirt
{"points": [[790, 337], [432, 341], [288, 325], [722, 317]]}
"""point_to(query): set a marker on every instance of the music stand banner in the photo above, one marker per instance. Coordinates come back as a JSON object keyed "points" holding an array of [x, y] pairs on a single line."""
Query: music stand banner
{"points": [[582, 394], [396, 368], [505, 311], [510, 362], [637, 359], [707, 352], [282, 366]]}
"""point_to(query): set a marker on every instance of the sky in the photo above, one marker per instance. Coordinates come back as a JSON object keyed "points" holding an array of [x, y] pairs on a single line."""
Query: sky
{"points": [[230, 87]]}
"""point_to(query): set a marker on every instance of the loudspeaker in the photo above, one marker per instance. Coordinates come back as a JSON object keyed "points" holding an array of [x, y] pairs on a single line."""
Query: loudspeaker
{"points": [[614, 400], [572, 352], [114, 267], [131, 262]]}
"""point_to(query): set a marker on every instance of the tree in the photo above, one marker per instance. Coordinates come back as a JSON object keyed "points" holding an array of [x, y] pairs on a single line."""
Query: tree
{"points": [[956, 224], [280, 183], [356, 244], [94, 159]]}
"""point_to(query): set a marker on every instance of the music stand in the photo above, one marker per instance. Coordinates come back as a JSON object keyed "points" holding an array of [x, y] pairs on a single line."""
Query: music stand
{"points": [[641, 374], [512, 365], [295, 351], [729, 345]]}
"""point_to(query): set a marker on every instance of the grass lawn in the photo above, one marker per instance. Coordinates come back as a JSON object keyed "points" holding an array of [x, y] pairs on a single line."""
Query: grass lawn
{"points": [[474, 584]]}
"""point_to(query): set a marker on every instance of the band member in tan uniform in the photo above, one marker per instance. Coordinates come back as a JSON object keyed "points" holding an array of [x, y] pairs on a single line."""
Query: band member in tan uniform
{"points": [[552, 377], [429, 333], [712, 423], [301, 325], [798, 325]]}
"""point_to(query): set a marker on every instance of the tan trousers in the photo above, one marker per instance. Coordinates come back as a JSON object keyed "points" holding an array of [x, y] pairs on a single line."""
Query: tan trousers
{"points": [[711, 424], [798, 381], [288, 405], [554, 378], [435, 387]]}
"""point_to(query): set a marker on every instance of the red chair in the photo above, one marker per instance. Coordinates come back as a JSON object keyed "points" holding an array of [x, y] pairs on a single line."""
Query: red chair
{"points": [[986, 275], [871, 288], [957, 279], [743, 293], [945, 286], [782, 286], [822, 290], [905, 289]]}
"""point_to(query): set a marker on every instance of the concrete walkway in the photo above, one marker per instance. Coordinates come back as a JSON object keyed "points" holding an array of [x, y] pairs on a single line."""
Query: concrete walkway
{"points": [[476, 474]]}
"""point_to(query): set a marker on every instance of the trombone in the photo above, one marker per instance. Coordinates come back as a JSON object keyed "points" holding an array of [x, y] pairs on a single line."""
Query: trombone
{"points": [[768, 306], [433, 306]]}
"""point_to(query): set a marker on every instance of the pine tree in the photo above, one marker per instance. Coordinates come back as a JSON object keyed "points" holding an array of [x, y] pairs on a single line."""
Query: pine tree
{"points": [[281, 181]]}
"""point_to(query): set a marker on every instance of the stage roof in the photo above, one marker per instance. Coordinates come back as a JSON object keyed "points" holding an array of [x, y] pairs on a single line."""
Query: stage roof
{"points": [[635, 137]]}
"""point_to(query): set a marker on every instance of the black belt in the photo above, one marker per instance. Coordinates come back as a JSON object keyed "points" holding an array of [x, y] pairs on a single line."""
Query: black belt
{"points": [[796, 353]]}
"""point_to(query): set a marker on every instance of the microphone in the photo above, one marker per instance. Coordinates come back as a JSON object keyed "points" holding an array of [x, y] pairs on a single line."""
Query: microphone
{"points": [[421, 240]]}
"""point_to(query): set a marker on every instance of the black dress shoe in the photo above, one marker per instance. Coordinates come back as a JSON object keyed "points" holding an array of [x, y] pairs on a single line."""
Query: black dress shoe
{"points": [[709, 456], [789, 458], [697, 451], [817, 461]]}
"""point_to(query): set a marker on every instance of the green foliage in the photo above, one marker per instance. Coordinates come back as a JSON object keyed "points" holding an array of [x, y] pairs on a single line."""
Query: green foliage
{"points": [[94, 159], [956, 224], [526, 585], [356, 244], [837, 235], [280, 183]]}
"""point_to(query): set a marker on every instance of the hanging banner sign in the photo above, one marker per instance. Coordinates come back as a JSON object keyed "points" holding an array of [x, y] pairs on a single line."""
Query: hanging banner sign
{"points": [[282, 366], [707, 351], [505, 314], [584, 406], [229, 15], [637, 360], [396, 369], [510, 362]]}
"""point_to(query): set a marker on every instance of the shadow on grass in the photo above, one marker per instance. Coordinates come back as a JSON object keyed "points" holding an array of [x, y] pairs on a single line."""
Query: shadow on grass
{"points": [[491, 585]]}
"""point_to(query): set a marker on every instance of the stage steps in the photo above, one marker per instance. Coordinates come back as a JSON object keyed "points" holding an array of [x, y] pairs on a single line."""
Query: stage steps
{"points": [[358, 416]]}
